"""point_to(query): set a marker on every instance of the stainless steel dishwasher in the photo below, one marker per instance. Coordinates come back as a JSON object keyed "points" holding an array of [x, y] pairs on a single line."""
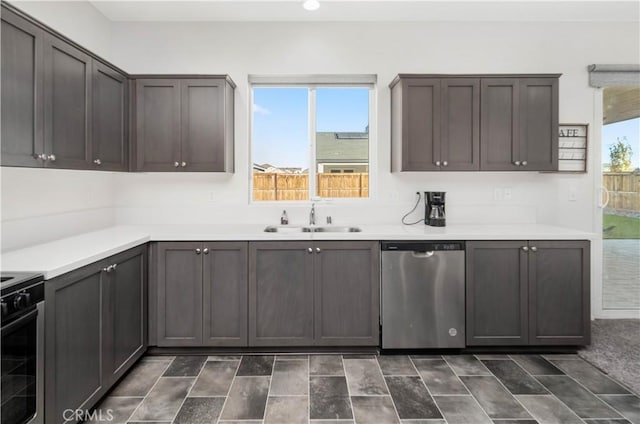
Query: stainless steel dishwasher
{"points": [[423, 295]]}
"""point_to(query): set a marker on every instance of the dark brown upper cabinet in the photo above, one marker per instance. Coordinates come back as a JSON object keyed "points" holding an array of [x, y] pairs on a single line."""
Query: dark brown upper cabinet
{"points": [[110, 108], [474, 122], [62, 107], [21, 87], [184, 124], [435, 124], [67, 105], [519, 121], [539, 124]]}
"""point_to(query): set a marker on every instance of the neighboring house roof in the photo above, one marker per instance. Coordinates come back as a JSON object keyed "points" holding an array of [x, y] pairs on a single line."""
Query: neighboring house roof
{"points": [[338, 147]]}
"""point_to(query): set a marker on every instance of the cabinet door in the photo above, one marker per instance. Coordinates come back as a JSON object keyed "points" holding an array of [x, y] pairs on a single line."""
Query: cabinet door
{"points": [[158, 125], [21, 90], [497, 293], [280, 294], [420, 124], [125, 312], [347, 304], [179, 310], [559, 293], [460, 125], [67, 105], [225, 294], [539, 124], [203, 124], [73, 343], [110, 119], [499, 123]]}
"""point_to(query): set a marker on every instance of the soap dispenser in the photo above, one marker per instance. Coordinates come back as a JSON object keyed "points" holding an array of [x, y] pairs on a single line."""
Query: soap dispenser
{"points": [[284, 219]]}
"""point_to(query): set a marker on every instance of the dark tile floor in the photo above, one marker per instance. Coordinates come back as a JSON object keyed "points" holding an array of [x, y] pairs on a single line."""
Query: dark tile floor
{"points": [[322, 389]]}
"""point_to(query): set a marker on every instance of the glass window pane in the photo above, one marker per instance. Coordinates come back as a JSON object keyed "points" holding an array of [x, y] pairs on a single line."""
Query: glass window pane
{"points": [[280, 150], [342, 142]]}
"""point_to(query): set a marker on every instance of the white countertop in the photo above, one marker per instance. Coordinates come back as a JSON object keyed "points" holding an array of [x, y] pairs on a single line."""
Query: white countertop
{"points": [[61, 256], [58, 257]]}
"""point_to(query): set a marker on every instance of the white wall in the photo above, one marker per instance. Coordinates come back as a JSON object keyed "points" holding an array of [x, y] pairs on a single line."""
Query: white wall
{"points": [[39, 205], [384, 49]]}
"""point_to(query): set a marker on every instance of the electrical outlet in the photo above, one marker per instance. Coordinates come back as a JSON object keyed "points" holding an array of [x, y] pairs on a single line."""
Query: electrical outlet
{"points": [[212, 196], [573, 194], [497, 194], [507, 193]]}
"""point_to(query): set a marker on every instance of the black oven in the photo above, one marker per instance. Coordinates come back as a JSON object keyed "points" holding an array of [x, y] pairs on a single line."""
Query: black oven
{"points": [[22, 367]]}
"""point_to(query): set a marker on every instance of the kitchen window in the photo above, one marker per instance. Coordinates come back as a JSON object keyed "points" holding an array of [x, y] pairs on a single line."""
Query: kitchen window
{"points": [[311, 137]]}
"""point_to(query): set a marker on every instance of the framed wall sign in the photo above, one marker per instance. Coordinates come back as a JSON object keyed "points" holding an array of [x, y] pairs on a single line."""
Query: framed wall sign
{"points": [[572, 145]]}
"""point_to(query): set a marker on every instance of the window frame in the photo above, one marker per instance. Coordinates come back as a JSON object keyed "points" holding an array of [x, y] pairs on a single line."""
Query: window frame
{"points": [[313, 82]]}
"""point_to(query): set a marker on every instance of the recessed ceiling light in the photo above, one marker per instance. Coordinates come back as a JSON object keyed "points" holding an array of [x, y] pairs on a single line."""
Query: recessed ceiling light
{"points": [[311, 4]]}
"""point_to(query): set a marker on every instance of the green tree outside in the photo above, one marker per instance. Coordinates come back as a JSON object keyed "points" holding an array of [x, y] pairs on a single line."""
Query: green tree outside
{"points": [[620, 154]]}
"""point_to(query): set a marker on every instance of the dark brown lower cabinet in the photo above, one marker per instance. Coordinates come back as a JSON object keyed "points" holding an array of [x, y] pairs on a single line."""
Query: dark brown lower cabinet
{"points": [[320, 293], [559, 282], [201, 294], [94, 315], [527, 293], [347, 295], [496, 293], [125, 312], [281, 294]]}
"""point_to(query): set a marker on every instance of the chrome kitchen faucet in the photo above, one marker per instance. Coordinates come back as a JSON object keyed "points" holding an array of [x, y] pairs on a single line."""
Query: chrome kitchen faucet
{"points": [[312, 215]]}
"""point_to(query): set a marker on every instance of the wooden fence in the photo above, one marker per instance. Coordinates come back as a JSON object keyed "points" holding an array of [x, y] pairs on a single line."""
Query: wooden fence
{"points": [[624, 190], [273, 186]]}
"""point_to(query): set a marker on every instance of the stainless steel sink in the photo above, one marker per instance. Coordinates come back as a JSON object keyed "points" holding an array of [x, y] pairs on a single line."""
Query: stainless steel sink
{"points": [[337, 229], [295, 229], [286, 229]]}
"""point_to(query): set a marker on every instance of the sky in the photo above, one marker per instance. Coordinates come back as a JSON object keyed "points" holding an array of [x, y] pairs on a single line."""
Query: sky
{"points": [[281, 123], [629, 129]]}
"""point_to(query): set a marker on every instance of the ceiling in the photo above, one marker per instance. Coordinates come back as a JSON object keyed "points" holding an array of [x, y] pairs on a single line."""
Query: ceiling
{"points": [[373, 10], [620, 104]]}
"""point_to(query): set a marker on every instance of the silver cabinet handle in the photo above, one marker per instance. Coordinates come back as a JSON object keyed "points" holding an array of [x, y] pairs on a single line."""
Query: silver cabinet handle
{"points": [[198, 251], [318, 250], [205, 251], [437, 163], [97, 161], [534, 249], [310, 250], [52, 158], [176, 164], [114, 266], [183, 164], [41, 156], [109, 268], [524, 163], [525, 248], [445, 163], [516, 163]]}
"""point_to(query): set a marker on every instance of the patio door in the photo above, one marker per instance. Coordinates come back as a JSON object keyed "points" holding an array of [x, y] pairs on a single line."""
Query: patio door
{"points": [[620, 173]]}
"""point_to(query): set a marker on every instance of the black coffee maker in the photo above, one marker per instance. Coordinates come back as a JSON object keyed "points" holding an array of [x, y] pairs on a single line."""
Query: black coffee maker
{"points": [[434, 208]]}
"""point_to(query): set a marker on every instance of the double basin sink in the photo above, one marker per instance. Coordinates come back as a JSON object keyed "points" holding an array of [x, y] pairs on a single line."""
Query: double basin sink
{"points": [[311, 229]]}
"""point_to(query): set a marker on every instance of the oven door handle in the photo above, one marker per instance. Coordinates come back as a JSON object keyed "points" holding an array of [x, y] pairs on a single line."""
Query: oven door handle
{"points": [[17, 323]]}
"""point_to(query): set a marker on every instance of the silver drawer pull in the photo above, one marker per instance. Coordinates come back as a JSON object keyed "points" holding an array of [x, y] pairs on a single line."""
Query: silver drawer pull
{"points": [[525, 248]]}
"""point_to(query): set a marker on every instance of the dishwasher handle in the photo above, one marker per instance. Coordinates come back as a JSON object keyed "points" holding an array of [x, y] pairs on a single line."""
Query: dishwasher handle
{"points": [[423, 255]]}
